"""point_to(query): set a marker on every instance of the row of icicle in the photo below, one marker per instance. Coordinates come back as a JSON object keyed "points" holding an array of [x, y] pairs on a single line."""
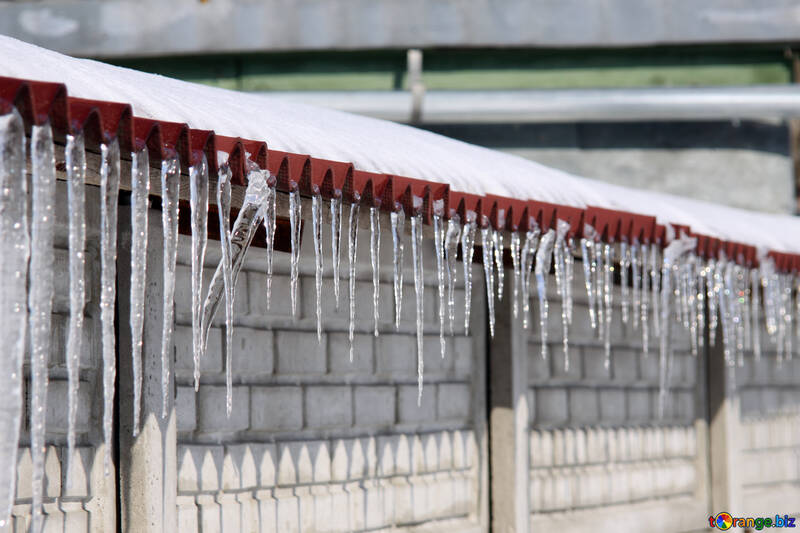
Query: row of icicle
{"points": [[660, 289]]}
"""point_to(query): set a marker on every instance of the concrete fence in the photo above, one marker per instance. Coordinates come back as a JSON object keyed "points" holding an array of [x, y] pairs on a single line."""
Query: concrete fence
{"points": [[503, 440]]}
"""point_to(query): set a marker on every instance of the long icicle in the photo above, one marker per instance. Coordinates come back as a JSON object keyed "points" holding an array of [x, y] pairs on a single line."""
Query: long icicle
{"points": [[198, 202], [40, 299], [655, 289], [438, 242], [636, 264], [295, 218], [419, 288], [644, 298], [109, 193], [711, 298], [375, 261], [316, 227], [14, 242], [467, 249], [589, 265], [497, 246], [514, 246], [624, 269], [544, 256], [487, 243], [76, 197], [170, 195], [569, 263], [528, 253], [224, 205], [560, 259], [608, 295], [352, 248], [140, 203], [398, 219], [451, 240], [269, 212], [336, 239], [755, 303]]}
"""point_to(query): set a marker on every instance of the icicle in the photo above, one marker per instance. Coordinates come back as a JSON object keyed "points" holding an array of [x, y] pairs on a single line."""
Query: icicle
{"points": [[700, 302], [398, 219], [559, 256], [690, 299], [570, 273], [451, 240], [726, 312], [140, 202], [755, 304], [608, 285], [224, 205], [294, 223], [655, 289], [198, 201], [746, 292], [487, 243], [589, 265], [336, 238], [170, 194], [14, 244], [438, 242], [644, 301], [316, 223], [597, 271], [374, 256], [109, 193], [515, 261], [40, 298], [269, 212], [352, 242], [738, 303], [419, 288], [467, 249], [711, 298], [528, 254], [637, 268], [497, 244], [544, 256], [76, 198], [625, 291]]}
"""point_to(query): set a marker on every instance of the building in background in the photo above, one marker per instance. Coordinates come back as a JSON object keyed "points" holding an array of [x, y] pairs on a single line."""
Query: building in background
{"points": [[500, 59]]}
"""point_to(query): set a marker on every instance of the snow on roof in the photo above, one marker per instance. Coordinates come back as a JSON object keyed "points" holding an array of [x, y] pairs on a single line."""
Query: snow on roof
{"points": [[381, 146]]}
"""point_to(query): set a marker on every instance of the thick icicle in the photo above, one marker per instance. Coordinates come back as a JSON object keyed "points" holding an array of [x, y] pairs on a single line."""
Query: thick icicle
{"points": [[451, 240], [438, 243], [608, 295], [589, 266], [570, 273], [644, 298], [625, 290], [13, 299], [754, 312], [269, 211], [336, 239], [711, 298], [528, 254], [109, 193], [515, 261], [544, 256], [487, 243], [352, 247], [467, 249], [76, 173], [560, 259], [224, 205], [170, 194], [294, 223], [198, 202], [375, 257], [140, 202], [655, 289], [597, 273], [497, 245], [316, 223], [419, 288], [636, 264], [398, 219], [40, 299]]}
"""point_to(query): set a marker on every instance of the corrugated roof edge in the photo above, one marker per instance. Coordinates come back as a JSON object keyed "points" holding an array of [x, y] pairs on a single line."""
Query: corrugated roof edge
{"points": [[102, 121]]}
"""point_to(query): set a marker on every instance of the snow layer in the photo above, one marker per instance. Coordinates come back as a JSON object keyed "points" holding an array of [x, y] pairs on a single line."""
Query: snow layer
{"points": [[380, 146]]}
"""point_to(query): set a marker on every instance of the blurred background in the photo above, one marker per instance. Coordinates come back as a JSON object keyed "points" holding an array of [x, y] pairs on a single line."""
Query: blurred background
{"points": [[680, 96]]}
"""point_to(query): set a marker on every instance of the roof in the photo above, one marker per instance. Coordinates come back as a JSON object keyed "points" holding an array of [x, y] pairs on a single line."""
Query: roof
{"points": [[356, 156]]}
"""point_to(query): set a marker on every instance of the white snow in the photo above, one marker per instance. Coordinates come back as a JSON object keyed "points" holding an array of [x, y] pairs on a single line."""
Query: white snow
{"points": [[380, 146]]}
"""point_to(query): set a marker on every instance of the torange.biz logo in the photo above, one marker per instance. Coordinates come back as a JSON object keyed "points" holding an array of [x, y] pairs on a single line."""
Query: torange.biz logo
{"points": [[726, 521]]}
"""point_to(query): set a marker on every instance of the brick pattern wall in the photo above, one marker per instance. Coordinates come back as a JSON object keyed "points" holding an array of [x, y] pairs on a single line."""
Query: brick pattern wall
{"points": [[316, 442], [78, 503], [596, 439]]}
